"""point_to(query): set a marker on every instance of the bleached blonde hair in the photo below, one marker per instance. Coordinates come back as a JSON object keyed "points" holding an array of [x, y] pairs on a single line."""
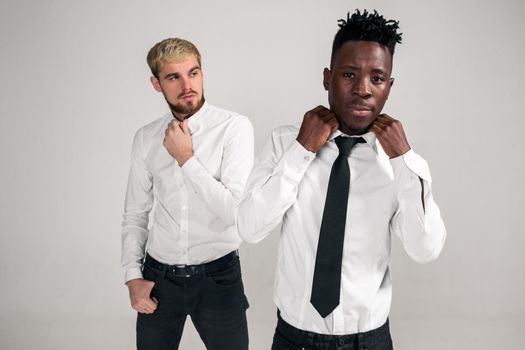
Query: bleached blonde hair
{"points": [[171, 49]]}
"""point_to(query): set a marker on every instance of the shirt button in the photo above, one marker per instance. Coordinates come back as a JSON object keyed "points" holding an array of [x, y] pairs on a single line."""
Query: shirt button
{"points": [[183, 207], [306, 157]]}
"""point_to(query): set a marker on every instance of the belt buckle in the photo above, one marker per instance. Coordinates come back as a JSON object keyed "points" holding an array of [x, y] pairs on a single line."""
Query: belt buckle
{"points": [[182, 267]]}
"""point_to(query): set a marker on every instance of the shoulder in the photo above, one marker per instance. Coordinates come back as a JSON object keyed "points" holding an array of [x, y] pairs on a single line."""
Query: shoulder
{"points": [[282, 137], [234, 121], [155, 126], [151, 131], [285, 131]]}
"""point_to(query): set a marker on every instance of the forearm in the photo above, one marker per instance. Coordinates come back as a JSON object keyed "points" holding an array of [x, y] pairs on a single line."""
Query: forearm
{"points": [[135, 232], [418, 219], [137, 206], [133, 250], [221, 196], [271, 190], [213, 193]]}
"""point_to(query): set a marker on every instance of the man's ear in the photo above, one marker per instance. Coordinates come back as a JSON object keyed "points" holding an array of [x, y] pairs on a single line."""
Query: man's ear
{"points": [[327, 76], [155, 82], [391, 81]]}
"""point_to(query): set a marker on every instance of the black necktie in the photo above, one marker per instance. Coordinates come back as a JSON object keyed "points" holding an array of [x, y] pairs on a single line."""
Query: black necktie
{"points": [[327, 274]]}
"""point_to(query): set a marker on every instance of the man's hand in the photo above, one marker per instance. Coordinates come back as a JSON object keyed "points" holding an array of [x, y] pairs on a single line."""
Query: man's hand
{"points": [[317, 126], [391, 136], [178, 141], [139, 293]]}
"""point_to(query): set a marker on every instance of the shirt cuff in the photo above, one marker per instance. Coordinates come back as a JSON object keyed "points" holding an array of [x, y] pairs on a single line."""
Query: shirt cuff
{"points": [[191, 166], [132, 273], [295, 161], [408, 164]]}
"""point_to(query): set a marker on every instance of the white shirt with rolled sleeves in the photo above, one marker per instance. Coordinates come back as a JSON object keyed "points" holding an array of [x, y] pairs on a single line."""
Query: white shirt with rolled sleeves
{"points": [[193, 207], [288, 184]]}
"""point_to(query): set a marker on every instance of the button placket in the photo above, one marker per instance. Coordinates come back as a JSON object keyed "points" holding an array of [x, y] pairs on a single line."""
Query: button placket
{"points": [[184, 221]]}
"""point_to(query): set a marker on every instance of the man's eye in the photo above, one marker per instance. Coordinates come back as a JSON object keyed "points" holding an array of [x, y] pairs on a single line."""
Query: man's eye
{"points": [[173, 77], [349, 75], [378, 79]]}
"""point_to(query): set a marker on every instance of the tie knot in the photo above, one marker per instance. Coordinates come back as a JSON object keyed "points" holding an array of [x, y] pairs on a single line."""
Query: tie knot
{"points": [[345, 144]]}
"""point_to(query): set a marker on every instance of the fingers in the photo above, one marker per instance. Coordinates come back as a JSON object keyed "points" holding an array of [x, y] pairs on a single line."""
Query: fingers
{"points": [[146, 305], [328, 116], [384, 117], [320, 112], [175, 127], [184, 126], [149, 304], [319, 109], [383, 123], [316, 127], [391, 135], [333, 123]]}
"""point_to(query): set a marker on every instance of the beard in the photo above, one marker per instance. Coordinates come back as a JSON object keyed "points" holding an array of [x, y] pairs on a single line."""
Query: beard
{"points": [[185, 110]]}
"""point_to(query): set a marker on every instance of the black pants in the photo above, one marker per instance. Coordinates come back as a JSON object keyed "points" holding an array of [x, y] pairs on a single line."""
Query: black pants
{"points": [[288, 337], [215, 302]]}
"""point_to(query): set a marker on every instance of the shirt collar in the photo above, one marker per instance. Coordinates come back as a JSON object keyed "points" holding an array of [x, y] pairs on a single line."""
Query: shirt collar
{"points": [[196, 121], [369, 137]]}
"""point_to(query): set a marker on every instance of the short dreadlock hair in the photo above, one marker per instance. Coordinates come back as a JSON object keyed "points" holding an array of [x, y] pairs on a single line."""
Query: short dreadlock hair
{"points": [[368, 27]]}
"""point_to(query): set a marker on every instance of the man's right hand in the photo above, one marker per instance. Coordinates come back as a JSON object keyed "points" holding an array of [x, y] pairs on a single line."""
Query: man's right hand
{"points": [[318, 124], [139, 293]]}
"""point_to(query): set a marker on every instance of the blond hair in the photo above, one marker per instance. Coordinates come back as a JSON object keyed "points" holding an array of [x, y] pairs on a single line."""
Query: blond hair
{"points": [[171, 49]]}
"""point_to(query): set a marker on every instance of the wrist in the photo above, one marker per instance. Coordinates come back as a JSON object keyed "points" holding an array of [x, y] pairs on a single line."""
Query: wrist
{"points": [[184, 159], [399, 153], [307, 146], [132, 282]]}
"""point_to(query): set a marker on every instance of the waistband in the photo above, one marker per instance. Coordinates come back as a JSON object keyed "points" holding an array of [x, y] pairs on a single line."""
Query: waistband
{"points": [[306, 338], [192, 270]]}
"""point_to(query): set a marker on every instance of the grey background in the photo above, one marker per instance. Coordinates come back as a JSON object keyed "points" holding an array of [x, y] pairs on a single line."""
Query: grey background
{"points": [[74, 88]]}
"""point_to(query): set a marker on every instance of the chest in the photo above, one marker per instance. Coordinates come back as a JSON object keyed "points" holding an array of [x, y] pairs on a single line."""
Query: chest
{"points": [[208, 149]]}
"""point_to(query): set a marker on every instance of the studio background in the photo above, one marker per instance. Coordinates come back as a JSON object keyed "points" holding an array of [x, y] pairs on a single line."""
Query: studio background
{"points": [[75, 87]]}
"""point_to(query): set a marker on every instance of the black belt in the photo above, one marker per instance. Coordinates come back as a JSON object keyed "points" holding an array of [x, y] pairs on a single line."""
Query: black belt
{"points": [[191, 270]]}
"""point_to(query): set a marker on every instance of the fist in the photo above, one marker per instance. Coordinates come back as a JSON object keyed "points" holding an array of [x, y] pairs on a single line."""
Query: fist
{"points": [[177, 141], [318, 124], [139, 294], [390, 134]]}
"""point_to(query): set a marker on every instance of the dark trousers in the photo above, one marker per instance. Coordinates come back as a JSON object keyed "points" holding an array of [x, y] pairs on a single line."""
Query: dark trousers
{"points": [[213, 299], [288, 337]]}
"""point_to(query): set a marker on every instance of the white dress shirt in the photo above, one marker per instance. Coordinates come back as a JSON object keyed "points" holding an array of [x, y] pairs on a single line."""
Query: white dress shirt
{"points": [[288, 184], [193, 207]]}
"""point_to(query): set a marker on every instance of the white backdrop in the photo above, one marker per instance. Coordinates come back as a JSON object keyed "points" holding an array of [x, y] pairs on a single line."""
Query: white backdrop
{"points": [[74, 88]]}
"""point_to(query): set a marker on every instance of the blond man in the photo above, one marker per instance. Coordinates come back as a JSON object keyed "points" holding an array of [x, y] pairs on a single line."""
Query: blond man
{"points": [[179, 238]]}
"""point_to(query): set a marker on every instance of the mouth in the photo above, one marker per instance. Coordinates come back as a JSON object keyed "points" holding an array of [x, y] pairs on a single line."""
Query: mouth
{"points": [[187, 96], [360, 110]]}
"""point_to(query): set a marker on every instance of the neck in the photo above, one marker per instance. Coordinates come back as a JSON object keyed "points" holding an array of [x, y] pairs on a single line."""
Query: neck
{"points": [[180, 117], [352, 132]]}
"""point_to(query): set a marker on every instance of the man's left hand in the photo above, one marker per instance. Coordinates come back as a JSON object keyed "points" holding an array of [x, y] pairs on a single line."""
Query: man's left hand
{"points": [[391, 136], [178, 141]]}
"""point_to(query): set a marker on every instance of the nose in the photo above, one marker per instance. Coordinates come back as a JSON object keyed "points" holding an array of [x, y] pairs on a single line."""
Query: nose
{"points": [[186, 84], [362, 88]]}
